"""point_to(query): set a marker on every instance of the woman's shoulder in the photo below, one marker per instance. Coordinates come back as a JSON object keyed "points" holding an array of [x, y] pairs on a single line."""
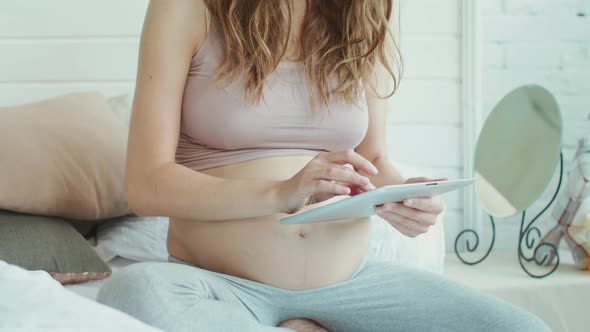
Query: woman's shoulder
{"points": [[183, 20]]}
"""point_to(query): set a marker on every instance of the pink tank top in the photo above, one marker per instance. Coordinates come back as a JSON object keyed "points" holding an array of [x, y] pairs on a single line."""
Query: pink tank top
{"points": [[220, 127]]}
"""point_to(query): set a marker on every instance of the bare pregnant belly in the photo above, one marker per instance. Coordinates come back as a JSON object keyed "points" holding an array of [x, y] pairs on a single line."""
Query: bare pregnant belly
{"points": [[261, 249]]}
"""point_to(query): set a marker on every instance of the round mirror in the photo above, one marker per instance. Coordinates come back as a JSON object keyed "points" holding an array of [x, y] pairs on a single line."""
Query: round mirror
{"points": [[517, 151]]}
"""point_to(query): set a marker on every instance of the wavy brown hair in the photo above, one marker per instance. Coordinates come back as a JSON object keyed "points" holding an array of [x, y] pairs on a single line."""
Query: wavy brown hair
{"points": [[341, 43]]}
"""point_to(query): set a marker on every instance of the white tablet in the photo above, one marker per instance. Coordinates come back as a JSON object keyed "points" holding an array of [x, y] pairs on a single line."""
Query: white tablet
{"points": [[363, 205]]}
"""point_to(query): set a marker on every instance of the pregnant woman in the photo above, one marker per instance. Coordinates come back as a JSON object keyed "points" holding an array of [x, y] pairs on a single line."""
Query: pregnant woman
{"points": [[245, 112]]}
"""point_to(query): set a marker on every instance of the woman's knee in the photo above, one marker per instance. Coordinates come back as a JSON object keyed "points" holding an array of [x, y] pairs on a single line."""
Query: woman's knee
{"points": [[139, 286]]}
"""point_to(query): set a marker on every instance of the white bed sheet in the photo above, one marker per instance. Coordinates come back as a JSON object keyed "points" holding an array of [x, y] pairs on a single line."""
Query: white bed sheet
{"points": [[33, 301], [90, 289]]}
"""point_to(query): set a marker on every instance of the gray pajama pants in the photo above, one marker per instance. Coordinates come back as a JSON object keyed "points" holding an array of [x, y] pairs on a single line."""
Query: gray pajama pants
{"points": [[378, 297]]}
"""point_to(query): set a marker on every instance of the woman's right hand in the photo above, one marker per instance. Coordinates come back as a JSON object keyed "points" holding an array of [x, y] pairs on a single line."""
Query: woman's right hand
{"points": [[326, 175]]}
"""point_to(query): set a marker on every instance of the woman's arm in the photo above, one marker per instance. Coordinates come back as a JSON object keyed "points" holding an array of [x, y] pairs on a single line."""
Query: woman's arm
{"points": [[374, 145], [388, 174], [154, 183]]}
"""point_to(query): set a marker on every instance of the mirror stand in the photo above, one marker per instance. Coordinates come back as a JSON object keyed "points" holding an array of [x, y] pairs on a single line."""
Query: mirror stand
{"points": [[528, 236]]}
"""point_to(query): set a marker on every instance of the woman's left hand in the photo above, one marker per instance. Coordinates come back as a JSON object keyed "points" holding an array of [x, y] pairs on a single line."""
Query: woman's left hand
{"points": [[413, 216]]}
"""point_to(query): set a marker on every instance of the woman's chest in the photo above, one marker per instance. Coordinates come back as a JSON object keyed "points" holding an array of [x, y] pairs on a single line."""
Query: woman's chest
{"points": [[222, 118]]}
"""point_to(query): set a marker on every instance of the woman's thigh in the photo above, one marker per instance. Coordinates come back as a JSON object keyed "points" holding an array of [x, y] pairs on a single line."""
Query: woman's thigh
{"points": [[386, 297], [179, 297]]}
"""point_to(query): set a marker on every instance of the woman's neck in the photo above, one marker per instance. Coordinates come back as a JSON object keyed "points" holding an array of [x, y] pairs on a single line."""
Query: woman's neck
{"points": [[299, 8]]}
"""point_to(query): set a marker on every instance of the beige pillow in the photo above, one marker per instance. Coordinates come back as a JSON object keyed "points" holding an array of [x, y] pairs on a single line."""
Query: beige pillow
{"points": [[63, 156]]}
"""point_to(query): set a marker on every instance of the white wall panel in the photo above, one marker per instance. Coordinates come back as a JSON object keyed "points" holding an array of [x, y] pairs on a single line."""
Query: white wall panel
{"points": [[431, 57], [68, 60], [40, 18], [431, 17], [427, 102]]}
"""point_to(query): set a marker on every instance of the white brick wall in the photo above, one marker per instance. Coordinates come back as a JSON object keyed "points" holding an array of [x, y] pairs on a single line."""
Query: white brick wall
{"points": [[546, 42]]}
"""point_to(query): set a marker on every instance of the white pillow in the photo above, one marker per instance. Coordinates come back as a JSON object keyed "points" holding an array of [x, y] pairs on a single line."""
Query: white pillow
{"points": [[426, 251], [33, 301], [141, 239], [121, 106]]}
